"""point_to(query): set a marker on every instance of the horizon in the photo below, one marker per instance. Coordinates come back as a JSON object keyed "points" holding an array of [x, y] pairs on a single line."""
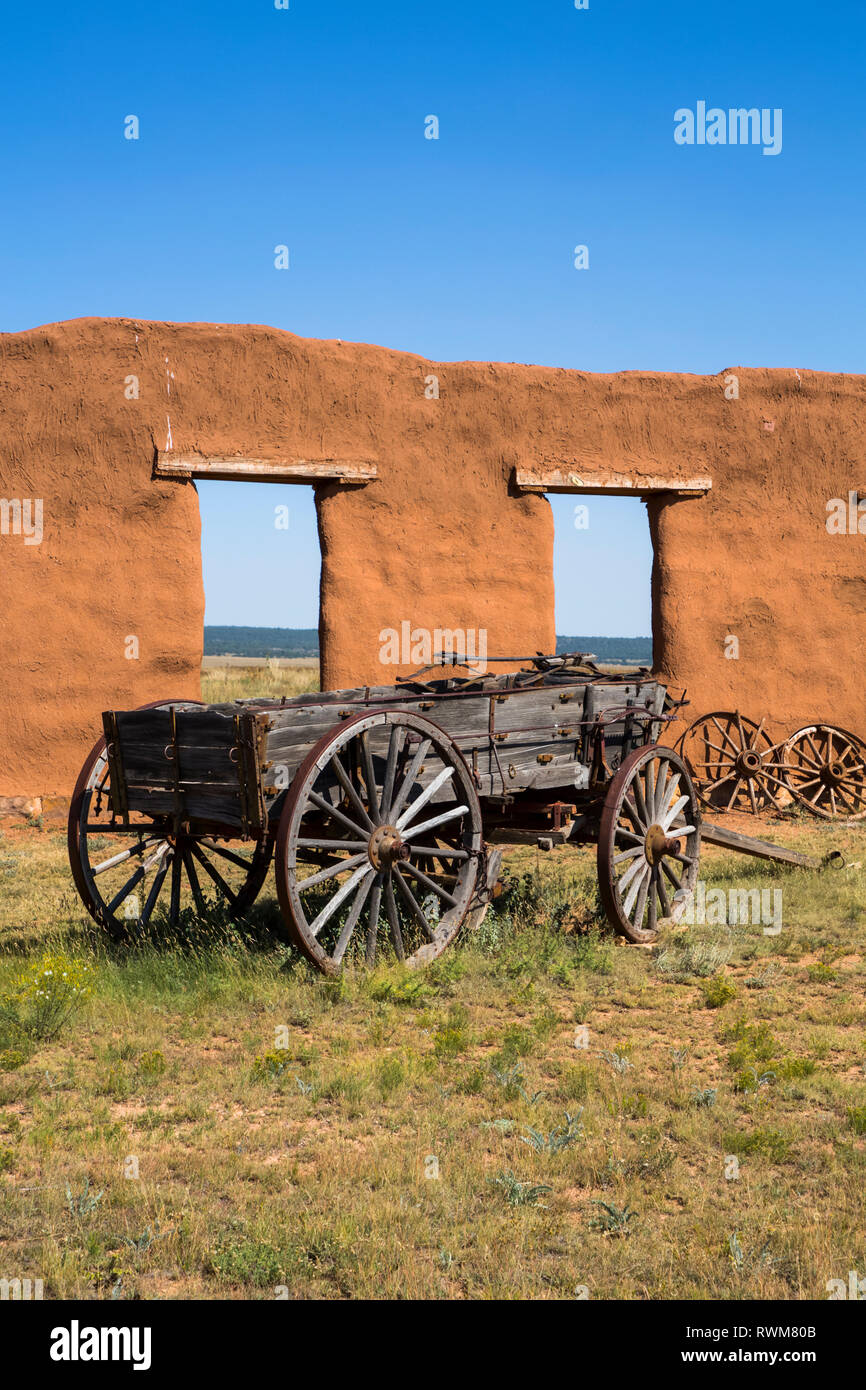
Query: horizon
{"points": [[309, 637]]}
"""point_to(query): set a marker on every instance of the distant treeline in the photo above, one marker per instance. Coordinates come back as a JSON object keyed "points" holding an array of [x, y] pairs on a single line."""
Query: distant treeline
{"points": [[261, 641], [636, 651], [304, 641]]}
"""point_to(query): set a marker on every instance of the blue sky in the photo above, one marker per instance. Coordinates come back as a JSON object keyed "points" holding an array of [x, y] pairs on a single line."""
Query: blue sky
{"points": [[305, 126]]}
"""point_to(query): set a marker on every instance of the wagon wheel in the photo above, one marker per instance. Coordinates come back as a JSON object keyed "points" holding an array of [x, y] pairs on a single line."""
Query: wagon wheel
{"points": [[649, 842], [734, 763], [825, 769], [403, 850], [122, 872]]}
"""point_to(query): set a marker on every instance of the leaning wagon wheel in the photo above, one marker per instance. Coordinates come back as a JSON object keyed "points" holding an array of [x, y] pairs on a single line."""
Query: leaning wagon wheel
{"points": [[367, 846], [734, 763], [825, 769], [649, 842], [122, 871]]}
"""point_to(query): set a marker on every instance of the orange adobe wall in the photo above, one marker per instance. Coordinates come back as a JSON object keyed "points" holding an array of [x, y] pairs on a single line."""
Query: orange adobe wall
{"points": [[441, 539]]}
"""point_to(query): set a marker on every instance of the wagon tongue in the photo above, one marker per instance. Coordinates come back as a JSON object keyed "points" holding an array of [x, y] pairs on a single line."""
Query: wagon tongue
{"points": [[762, 849]]}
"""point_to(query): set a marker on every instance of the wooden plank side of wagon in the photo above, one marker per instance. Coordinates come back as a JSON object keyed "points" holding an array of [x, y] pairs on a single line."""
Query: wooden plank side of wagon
{"points": [[200, 726], [148, 762], [215, 804], [528, 767], [533, 736], [294, 731]]}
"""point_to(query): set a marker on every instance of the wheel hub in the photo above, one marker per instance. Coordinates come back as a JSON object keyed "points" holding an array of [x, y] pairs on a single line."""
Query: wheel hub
{"points": [[657, 844], [386, 846], [748, 763], [832, 774]]}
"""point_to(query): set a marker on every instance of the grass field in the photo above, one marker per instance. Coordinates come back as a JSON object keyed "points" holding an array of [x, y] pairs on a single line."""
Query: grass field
{"points": [[220, 683], [543, 1113]]}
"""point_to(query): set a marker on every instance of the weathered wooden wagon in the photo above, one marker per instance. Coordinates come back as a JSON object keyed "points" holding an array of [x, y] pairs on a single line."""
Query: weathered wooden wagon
{"points": [[381, 805]]}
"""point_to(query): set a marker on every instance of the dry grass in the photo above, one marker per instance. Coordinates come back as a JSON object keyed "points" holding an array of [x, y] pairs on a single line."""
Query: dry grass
{"points": [[222, 683], [313, 1165]]}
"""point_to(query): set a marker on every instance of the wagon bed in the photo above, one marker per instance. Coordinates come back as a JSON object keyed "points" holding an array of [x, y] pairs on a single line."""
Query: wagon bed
{"points": [[564, 726]]}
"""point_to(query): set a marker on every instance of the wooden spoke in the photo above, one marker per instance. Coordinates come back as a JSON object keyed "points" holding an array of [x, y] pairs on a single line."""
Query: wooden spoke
{"points": [[668, 821], [156, 888], [669, 808], [429, 791], [733, 796], [717, 748], [650, 780], [195, 885], [174, 908], [213, 873], [370, 780], [622, 833], [125, 854], [637, 891], [352, 792], [440, 852], [725, 733], [628, 854], [645, 815], [652, 924], [393, 919], [361, 895], [633, 873], [671, 872], [430, 883], [632, 813], [341, 894], [324, 805], [718, 782], [373, 922], [819, 759], [413, 905], [683, 858], [126, 890], [409, 779], [339, 868], [316, 843], [664, 901], [395, 741], [441, 819], [239, 859]]}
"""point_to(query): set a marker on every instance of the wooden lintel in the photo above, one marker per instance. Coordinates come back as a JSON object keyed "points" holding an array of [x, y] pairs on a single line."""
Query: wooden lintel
{"points": [[174, 464], [615, 484]]}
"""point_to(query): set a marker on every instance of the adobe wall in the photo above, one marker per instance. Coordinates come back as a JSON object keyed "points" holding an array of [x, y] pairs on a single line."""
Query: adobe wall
{"points": [[439, 539]]}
